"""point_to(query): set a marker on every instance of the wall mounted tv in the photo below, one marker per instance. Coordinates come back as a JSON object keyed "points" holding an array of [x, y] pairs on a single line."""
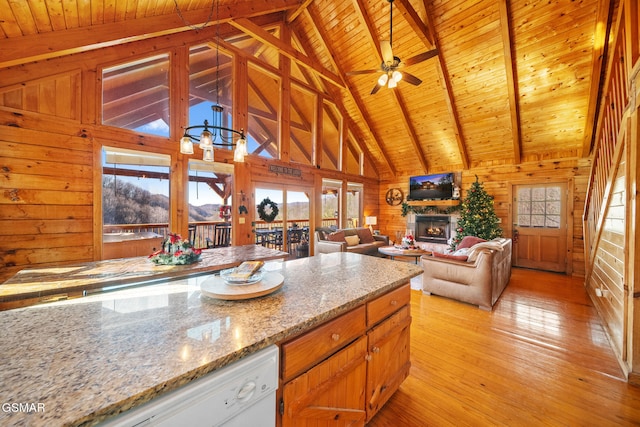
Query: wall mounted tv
{"points": [[431, 187]]}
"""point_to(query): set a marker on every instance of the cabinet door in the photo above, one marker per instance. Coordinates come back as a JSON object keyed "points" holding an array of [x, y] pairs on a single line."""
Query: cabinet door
{"points": [[331, 393], [388, 359]]}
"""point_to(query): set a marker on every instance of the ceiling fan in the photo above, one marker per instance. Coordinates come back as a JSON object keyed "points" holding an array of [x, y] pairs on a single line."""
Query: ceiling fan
{"points": [[390, 65]]}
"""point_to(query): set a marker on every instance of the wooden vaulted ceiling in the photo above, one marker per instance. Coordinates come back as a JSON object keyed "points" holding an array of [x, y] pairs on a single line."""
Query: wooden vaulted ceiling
{"points": [[513, 81]]}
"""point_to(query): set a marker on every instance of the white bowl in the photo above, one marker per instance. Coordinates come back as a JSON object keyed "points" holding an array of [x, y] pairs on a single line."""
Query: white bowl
{"points": [[226, 275]]}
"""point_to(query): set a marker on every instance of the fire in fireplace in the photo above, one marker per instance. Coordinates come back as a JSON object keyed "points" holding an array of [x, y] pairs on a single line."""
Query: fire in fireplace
{"points": [[433, 228]]}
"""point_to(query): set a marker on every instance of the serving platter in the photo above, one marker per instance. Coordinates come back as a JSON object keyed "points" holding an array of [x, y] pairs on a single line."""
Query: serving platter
{"points": [[216, 287]]}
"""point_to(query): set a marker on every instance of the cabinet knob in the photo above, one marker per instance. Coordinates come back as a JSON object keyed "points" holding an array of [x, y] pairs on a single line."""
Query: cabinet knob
{"points": [[376, 349], [335, 337], [368, 358], [394, 302]]}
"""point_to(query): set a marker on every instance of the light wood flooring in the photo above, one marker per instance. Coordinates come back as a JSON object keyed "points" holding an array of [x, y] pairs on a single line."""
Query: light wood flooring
{"points": [[541, 358]]}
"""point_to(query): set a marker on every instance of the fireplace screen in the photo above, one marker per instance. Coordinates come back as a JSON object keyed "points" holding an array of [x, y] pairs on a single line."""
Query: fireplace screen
{"points": [[435, 229]]}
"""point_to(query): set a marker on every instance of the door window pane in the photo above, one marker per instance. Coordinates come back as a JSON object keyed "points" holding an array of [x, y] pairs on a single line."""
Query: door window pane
{"points": [[354, 204], [331, 190], [539, 206], [210, 198]]}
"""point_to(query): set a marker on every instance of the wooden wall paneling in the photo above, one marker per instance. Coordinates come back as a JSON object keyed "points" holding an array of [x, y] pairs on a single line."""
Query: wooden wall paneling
{"points": [[46, 196], [57, 95], [632, 260]]}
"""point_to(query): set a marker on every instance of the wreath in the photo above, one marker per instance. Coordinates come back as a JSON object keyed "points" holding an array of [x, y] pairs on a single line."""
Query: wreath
{"points": [[267, 210]]}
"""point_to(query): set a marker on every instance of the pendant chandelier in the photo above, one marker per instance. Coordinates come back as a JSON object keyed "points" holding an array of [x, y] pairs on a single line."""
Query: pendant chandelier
{"points": [[214, 134]]}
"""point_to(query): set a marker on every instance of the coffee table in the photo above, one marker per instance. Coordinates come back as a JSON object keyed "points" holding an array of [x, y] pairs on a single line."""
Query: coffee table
{"points": [[392, 252]]}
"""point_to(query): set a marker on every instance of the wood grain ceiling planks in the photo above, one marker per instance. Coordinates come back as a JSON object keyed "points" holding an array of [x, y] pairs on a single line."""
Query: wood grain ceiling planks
{"points": [[513, 80]]}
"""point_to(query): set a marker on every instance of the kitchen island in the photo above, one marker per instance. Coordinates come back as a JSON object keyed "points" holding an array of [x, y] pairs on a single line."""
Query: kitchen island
{"points": [[33, 286], [85, 360]]}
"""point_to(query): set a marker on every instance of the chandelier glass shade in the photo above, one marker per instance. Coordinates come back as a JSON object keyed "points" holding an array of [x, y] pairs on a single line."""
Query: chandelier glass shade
{"points": [[214, 135]]}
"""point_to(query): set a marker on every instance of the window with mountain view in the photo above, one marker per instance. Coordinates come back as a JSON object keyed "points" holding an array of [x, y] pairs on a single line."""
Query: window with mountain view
{"points": [[135, 190]]}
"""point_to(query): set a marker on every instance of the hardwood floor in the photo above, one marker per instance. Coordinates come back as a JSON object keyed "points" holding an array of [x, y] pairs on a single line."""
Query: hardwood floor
{"points": [[540, 358]]}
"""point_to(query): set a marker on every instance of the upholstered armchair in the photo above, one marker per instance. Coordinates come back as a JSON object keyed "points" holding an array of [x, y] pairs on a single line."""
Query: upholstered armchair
{"points": [[478, 280]]}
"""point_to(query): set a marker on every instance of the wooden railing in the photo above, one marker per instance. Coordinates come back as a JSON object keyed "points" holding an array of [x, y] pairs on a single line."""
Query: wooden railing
{"points": [[607, 152], [204, 229]]}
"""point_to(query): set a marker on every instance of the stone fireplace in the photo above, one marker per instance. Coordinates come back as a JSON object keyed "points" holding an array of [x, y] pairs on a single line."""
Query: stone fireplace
{"points": [[433, 228]]}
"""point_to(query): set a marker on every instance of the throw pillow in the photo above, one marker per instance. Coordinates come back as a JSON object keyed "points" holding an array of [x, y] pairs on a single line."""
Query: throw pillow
{"points": [[365, 235], [450, 256], [468, 241], [336, 236], [352, 240]]}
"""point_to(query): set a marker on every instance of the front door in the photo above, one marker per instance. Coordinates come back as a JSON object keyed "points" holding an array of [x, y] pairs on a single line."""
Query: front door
{"points": [[540, 226]]}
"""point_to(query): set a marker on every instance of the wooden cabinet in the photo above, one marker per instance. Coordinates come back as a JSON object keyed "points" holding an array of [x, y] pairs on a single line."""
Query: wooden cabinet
{"points": [[388, 359], [342, 372]]}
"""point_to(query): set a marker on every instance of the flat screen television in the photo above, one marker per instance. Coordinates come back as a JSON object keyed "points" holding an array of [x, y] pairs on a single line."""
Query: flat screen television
{"points": [[431, 187]]}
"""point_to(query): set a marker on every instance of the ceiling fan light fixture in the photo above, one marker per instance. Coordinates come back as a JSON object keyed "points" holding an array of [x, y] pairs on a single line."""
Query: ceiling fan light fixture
{"points": [[392, 83], [382, 80], [396, 76]]}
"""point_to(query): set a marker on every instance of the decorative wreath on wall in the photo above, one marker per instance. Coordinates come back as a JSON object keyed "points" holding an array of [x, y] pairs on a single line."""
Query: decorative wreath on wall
{"points": [[267, 210]]}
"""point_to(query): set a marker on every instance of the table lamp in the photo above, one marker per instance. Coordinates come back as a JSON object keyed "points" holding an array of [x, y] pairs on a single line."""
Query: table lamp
{"points": [[370, 221]]}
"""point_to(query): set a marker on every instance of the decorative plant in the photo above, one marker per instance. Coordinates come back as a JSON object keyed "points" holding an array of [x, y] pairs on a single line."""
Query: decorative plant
{"points": [[420, 210], [408, 241], [477, 216], [175, 251]]}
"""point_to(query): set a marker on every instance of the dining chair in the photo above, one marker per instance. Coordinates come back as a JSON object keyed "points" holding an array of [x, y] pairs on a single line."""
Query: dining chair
{"points": [[221, 236]]}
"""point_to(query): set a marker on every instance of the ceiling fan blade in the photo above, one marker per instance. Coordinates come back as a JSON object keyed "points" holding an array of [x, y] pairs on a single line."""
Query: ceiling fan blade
{"points": [[387, 53], [410, 78], [355, 73], [375, 89], [421, 57]]}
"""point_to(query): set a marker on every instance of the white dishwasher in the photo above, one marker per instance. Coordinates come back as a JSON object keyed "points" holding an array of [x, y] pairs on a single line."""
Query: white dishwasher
{"points": [[239, 395]]}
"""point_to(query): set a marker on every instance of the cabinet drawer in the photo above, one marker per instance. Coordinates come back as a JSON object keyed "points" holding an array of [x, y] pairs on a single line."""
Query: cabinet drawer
{"points": [[386, 304], [307, 350]]}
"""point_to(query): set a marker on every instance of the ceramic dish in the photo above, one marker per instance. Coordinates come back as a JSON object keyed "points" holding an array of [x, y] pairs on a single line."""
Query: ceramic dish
{"points": [[227, 276]]}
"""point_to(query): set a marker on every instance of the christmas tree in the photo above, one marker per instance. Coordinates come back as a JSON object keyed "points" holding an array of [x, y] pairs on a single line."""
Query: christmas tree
{"points": [[477, 216]]}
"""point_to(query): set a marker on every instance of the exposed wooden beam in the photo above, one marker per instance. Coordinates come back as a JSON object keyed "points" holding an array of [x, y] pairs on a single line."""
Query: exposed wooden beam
{"points": [[598, 71], [448, 96], [354, 97], [414, 21], [258, 33], [293, 14], [512, 81], [29, 48]]}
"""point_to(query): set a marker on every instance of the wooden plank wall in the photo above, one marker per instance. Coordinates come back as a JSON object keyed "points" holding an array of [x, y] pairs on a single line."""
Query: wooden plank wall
{"points": [[46, 212], [497, 181]]}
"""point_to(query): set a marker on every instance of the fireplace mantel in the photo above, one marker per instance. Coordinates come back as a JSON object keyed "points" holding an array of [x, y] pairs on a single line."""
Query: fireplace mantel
{"points": [[434, 202]]}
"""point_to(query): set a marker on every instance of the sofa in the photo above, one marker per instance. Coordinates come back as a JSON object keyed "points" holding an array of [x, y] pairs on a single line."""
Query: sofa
{"points": [[476, 276], [358, 240]]}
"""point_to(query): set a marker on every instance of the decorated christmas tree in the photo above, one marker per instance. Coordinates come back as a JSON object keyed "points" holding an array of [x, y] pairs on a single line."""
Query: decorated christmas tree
{"points": [[477, 216]]}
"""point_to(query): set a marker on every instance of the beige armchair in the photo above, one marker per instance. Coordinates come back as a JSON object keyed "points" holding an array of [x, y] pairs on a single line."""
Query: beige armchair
{"points": [[479, 282]]}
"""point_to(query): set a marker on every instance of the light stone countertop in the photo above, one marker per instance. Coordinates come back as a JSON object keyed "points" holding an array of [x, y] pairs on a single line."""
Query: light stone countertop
{"points": [[86, 359], [73, 279]]}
